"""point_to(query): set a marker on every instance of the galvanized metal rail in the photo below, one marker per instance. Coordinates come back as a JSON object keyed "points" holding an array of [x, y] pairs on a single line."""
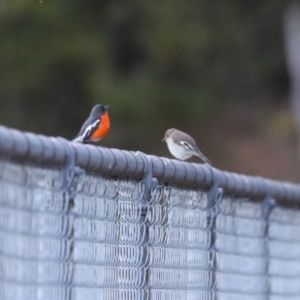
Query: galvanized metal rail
{"points": [[121, 163]]}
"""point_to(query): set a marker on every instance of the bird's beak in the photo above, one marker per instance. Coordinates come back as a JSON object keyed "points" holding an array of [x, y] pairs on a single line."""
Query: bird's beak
{"points": [[163, 139], [106, 107]]}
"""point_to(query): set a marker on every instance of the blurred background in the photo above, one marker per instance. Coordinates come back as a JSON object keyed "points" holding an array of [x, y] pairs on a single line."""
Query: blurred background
{"points": [[215, 69]]}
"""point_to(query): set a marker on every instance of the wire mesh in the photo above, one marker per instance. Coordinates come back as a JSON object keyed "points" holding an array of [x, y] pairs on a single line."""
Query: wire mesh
{"points": [[69, 233], [108, 240], [34, 228], [284, 252], [241, 250], [179, 257]]}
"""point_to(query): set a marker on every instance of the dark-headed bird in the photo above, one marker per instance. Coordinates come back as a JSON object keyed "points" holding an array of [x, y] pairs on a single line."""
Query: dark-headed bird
{"points": [[96, 127]]}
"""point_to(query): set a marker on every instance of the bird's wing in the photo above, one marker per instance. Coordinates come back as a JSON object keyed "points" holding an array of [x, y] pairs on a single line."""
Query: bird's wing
{"points": [[187, 146], [87, 130], [195, 149], [90, 129]]}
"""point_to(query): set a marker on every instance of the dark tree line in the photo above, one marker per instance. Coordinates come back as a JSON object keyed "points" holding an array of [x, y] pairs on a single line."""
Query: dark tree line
{"points": [[158, 63]]}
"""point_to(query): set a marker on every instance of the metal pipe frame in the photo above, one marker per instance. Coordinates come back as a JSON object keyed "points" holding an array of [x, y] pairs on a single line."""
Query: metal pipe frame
{"points": [[25, 146]]}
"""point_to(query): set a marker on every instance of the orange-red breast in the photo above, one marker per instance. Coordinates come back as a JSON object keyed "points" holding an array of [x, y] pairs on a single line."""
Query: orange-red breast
{"points": [[96, 127]]}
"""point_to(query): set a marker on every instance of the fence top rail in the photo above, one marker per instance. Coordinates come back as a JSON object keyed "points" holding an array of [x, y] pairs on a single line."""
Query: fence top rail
{"points": [[27, 146]]}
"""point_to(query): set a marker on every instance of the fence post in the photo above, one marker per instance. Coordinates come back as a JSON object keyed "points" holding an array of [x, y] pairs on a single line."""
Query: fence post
{"points": [[146, 184], [71, 175], [267, 205], [215, 195]]}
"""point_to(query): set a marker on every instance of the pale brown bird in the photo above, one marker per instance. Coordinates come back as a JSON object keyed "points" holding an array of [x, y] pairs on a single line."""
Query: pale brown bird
{"points": [[182, 146]]}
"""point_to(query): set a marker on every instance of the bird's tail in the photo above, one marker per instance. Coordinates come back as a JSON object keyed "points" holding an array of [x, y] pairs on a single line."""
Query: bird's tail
{"points": [[201, 156]]}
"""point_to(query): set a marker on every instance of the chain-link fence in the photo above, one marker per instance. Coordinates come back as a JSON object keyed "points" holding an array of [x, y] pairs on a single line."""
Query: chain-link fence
{"points": [[85, 222]]}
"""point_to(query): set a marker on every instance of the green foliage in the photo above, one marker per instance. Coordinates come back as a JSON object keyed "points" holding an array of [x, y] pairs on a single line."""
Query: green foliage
{"points": [[158, 63]]}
